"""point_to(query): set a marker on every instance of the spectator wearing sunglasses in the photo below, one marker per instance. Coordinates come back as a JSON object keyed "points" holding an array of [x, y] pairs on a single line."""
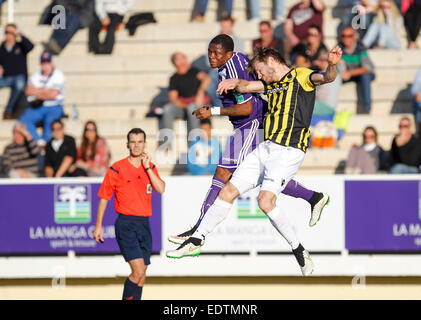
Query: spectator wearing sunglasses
{"points": [[13, 66], [356, 65], [405, 153]]}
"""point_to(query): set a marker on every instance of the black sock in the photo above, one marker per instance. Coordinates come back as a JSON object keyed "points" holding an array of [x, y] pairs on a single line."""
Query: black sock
{"points": [[131, 290], [315, 198], [298, 253]]}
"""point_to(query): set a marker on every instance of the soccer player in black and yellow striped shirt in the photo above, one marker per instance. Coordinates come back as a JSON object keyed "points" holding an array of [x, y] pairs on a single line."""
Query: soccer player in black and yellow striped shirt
{"points": [[291, 96]]}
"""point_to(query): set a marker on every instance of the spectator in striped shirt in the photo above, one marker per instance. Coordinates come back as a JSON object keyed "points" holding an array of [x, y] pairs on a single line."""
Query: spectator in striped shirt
{"points": [[20, 158]]}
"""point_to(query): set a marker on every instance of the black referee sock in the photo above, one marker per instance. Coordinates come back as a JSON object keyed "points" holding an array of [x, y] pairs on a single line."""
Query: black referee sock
{"points": [[131, 291]]}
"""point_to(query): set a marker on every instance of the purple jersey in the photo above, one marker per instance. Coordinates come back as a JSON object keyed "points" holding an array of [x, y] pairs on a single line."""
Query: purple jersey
{"points": [[236, 67]]}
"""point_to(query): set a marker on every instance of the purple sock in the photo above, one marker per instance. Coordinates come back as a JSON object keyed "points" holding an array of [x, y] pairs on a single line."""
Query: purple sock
{"points": [[217, 185], [296, 190]]}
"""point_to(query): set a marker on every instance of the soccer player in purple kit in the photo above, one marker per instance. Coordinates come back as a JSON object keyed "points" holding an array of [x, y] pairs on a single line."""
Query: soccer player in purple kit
{"points": [[245, 111]]}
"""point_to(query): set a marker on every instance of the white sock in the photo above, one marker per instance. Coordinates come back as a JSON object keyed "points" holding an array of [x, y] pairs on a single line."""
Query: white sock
{"points": [[215, 215], [283, 226]]}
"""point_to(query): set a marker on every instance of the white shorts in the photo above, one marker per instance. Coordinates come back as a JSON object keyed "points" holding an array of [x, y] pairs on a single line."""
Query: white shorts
{"points": [[270, 165]]}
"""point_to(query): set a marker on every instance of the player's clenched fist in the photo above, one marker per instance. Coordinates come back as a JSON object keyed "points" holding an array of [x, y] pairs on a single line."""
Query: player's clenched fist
{"points": [[203, 113]]}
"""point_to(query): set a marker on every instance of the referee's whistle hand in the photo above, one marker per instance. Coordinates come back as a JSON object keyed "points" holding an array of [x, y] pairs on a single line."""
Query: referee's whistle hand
{"points": [[97, 234]]}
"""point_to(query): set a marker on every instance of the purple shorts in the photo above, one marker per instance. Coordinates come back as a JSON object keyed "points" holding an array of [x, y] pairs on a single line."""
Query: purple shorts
{"points": [[244, 140]]}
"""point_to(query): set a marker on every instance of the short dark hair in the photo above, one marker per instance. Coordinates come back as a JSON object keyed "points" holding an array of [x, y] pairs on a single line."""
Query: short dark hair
{"points": [[262, 54], [56, 121], [266, 22], [11, 25], [227, 18], [225, 41], [315, 26], [135, 131]]}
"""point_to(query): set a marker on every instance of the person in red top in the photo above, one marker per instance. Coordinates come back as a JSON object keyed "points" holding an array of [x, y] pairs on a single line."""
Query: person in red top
{"points": [[131, 180]]}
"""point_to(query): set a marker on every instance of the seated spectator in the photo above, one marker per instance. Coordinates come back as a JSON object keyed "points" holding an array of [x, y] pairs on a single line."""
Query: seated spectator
{"points": [[20, 158], [369, 158], [203, 4], [416, 99], [78, 14], [109, 15], [405, 153], [227, 27], [356, 65], [45, 92], [93, 155], [278, 10], [300, 17], [13, 66], [204, 152], [411, 11], [60, 154], [312, 52], [359, 14], [385, 30], [187, 92], [267, 39]]}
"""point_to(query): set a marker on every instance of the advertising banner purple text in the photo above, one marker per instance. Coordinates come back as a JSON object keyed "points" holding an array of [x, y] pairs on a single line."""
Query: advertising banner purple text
{"points": [[56, 218], [382, 216]]}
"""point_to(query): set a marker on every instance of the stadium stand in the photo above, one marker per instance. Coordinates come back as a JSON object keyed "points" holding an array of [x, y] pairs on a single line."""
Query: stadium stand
{"points": [[116, 90]]}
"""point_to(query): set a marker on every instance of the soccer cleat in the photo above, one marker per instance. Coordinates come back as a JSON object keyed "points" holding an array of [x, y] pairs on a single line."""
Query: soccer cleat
{"points": [[179, 239], [189, 248], [317, 208], [304, 260]]}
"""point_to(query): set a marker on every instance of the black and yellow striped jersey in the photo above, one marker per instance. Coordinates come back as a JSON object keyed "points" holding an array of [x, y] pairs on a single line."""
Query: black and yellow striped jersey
{"points": [[291, 104]]}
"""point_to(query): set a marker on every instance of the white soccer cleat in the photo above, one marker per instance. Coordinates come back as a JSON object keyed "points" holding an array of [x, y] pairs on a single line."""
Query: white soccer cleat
{"points": [[304, 260], [189, 248], [308, 267], [316, 210], [180, 238]]}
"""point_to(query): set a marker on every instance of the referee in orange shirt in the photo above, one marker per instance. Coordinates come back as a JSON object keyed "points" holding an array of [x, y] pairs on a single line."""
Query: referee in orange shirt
{"points": [[132, 180]]}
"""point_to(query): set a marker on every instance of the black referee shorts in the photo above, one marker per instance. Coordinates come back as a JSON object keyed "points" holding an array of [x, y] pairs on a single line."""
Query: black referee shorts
{"points": [[134, 237]]}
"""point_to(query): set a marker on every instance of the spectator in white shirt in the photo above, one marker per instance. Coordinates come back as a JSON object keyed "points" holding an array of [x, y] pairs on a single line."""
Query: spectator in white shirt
{"points": [[109, 15], [45, 90]]}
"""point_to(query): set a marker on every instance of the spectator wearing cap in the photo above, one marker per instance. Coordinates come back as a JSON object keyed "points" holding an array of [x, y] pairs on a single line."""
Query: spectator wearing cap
{"points": [[13, 65], [45, 92]]}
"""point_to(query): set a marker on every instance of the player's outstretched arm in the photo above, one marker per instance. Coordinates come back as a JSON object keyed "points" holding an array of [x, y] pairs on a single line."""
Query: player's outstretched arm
{"points": [[240, 85], [329, 75]]}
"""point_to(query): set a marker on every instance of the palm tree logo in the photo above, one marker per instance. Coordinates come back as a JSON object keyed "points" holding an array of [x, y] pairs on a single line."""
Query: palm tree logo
{"points": [[72, 204]]}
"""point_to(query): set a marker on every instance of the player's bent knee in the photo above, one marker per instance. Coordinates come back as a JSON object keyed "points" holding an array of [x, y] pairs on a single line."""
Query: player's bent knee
{"points": [[138, 277], [228, 193], [266, 201]]}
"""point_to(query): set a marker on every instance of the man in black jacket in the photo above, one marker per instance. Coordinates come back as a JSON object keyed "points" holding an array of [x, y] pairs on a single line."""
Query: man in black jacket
{"points": [[13, 65], [60, 154]]}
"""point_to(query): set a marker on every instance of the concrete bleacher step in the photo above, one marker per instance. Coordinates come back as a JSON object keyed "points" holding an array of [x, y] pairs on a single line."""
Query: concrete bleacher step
{"points": [[143, 95], [31, 7], [382, 59]]}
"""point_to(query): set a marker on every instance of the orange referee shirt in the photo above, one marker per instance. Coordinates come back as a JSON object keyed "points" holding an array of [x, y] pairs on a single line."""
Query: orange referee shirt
{"points": [[132, 188]]}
